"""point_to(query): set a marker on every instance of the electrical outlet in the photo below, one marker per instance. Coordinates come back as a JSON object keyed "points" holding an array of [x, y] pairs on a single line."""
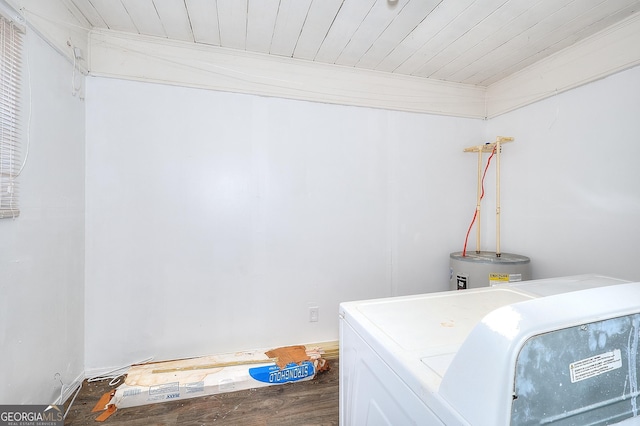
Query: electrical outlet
{"points": [[314, 313]]}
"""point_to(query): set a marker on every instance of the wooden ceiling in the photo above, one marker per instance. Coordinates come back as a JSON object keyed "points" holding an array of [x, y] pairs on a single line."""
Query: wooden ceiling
{"points": [[475, 42]]}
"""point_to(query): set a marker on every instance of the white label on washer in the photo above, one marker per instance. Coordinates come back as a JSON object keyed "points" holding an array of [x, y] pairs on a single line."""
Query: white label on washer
{"points": [[594, 366]]}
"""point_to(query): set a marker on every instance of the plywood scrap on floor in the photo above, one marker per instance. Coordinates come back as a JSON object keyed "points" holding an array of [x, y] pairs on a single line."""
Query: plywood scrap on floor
{"points": [[103, 405], [328, 350], [288, 354], [192, 370], [106, 413]]}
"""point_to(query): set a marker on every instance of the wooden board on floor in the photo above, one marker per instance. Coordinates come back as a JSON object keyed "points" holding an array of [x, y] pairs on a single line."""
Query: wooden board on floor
{"points": [[314, 402]]}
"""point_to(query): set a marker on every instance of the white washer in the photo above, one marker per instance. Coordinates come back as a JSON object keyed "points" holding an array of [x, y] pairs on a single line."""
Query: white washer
{"points": [[520, 354]]}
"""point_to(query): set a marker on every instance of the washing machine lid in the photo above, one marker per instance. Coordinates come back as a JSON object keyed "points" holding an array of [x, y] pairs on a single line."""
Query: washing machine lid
{"points": [[406, 330], [437, 323], [430, 328], [421, 337], [551, 286]]}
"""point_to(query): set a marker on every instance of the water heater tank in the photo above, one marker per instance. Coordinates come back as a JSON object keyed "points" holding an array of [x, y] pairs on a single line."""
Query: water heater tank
{"points": [[485, 269]]}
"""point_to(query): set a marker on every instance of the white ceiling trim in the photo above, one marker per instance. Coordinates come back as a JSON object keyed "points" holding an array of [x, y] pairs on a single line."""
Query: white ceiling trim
{"points": [[182, 63], [143, 58], [612, 50]]}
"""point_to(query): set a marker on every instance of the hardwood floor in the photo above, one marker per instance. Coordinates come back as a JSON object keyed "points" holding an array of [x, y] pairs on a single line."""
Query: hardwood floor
{"points": [[314, 402]]}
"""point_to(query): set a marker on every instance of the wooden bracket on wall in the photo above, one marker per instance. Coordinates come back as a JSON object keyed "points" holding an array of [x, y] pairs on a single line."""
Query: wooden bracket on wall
{"points": [[489, 147]]}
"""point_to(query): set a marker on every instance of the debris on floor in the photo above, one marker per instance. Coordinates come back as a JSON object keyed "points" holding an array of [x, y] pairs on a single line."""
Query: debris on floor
{"points": [[156, 382]]}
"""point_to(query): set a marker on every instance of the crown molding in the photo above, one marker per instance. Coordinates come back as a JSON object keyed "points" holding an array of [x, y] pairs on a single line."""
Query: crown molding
{"points": [[130, 56], [609, 51], [152, 59]]}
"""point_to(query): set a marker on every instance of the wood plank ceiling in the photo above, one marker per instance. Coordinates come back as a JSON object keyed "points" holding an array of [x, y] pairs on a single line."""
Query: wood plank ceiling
{"points": [[476, 42]]}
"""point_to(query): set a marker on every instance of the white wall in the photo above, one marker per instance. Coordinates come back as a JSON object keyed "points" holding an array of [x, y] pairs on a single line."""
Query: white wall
{"points": [[42, 251], [572, 198], [215, 219]]}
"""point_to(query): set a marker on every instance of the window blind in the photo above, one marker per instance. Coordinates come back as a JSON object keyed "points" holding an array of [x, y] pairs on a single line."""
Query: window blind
{"points": [[10, 136]]}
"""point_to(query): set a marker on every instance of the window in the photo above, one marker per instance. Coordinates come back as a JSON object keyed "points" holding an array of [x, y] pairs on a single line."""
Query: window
{"points": [[10, 136]]}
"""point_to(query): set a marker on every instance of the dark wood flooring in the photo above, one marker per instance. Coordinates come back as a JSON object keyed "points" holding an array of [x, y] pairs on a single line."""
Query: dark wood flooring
{"points": [[314, 402]]}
